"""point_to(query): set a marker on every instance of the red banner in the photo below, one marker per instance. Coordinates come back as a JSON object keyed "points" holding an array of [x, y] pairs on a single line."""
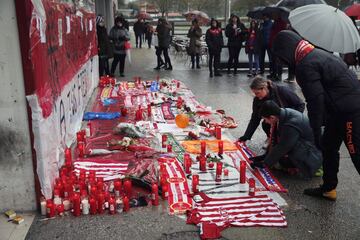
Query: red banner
{"points": [[59, 46]]}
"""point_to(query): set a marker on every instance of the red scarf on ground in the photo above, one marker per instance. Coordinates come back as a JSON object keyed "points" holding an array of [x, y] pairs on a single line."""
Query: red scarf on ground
{"points": [[302, 49]]}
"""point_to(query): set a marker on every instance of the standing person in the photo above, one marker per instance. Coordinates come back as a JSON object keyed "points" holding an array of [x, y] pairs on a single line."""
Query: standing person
{"points": [[119, 35], [252, 48], [264, 90], [195, 34], [164, 38], [265, 31], [295, 145], [215, 42], [332, 93], [235, 31], [103, 46], [139, 31], [149, 33]]}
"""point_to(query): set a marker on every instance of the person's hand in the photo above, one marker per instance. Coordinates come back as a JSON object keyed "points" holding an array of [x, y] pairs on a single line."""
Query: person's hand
{"points": [[255, 165], [243, 139]]}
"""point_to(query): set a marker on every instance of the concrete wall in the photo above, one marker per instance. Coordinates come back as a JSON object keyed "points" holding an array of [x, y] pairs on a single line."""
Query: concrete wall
{"points": [[105, 8], [16, 168]]}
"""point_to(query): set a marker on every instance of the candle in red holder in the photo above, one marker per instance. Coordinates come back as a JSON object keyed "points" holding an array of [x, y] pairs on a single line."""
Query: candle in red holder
{"points": [[169, 148], [219, 167], [112, 206], [126, 204], [203, 148], [195, 183], [50, 208], [226, 172], [79, 137], [101, 203], [68, 158], [88, 129], [138, 115], [165, 191], [93, 206], [218, 132], [242, 171], [202, 163], [100, 186], [76, 205], [211, 164], [60, 186], [221, 147], [128, 188], [188, 164], [252, 187], [149, 110], [117, 187], [178, 84], [60, 209], [163, 140], [93, 190], [123, 111], [154, 194], [81, 149]]}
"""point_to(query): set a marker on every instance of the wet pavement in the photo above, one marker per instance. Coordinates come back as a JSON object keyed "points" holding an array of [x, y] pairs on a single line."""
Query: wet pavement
{"points": [[308, 218]]}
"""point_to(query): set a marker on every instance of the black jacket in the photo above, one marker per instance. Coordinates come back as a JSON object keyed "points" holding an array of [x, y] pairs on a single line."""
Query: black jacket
{"points": [[103, 42], [163, 32], [235, 36], [139, 28], [214, 40], [329, 87], [283, 96], [296, 140]]}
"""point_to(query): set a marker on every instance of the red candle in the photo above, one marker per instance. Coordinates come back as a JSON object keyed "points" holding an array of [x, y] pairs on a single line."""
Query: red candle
{"points": [[126, 204], [50, 208], [123, 111], [221, 147], [76, 205], [203, 148], [188, 164], [169, 148], [178, 84], [93, 190], [138, 115], [195, 183], [154, 194], [117, 187], [101, 203], [202, 163], [211, 164], [79, 137], [242, 171], [219, 166], [218, 132], [81, 149], [163, 140], [165, 192], [112, 206], [226, 172], [68, 158], [100, 186], [60, 186], [93, 206], [149, 110], [252, 187], [128, 187], [60, 209]]}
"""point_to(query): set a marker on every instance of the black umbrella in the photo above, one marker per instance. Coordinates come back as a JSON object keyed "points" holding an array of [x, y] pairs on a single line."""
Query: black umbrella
{"points": [[292, 4], [256, 13], [274, 12]]}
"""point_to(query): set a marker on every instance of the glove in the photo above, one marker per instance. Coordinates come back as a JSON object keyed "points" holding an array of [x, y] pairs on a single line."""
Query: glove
{"points": [[257, 158], [243, 139], [255, 165]]}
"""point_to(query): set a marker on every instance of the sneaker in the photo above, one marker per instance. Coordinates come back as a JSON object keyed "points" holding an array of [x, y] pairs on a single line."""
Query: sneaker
{"points": [[218, 74], [122, 75], [211, 75], [157, 68], [321, 193], [169, 68], [198, 67]]}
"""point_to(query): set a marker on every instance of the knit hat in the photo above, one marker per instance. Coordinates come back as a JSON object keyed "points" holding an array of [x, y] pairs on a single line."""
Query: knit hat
{"points": [[99, 19], [269, 108]]}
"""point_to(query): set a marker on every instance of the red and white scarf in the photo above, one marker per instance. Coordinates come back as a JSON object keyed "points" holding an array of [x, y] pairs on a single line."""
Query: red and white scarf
{"points": [[302, 49]]}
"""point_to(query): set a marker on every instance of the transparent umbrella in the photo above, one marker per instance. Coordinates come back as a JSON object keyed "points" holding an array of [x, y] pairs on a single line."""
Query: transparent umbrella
{"points": [[326, 27]]}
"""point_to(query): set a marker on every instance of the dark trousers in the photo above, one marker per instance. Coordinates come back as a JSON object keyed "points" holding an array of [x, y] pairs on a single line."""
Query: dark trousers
{"points": [[234, 52], [193, 57], [266, 127], [118, 58], [103, 66], [291, 72], [339, 129], [158, 53], [276, 66], [263, 51], [138, 39], [214, 60], [149, 40], [165, 51]]}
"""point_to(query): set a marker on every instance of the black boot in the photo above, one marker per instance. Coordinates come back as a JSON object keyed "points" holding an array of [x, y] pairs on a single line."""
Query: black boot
{"points": [[217, 74]]}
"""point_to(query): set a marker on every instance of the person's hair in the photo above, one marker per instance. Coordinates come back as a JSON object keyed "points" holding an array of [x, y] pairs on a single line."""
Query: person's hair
{"points": [[269, 108], [119, 19], [256, 25], [259, 82]]}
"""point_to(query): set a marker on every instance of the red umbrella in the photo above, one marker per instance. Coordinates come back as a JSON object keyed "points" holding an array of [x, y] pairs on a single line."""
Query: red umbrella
{"points": [[353, 10]]}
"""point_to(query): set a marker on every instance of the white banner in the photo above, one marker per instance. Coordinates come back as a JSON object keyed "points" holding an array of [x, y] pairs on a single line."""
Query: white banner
{"points": [[53, 134]]}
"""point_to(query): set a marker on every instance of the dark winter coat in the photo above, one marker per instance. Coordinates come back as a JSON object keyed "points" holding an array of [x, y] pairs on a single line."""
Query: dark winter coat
{"points": [[283, 96], [195, 43], [329, 87], [265, 29], [257, 43], [214, 40], [235, 36], [296, 140], [119, 36], [139, 28], [164, 37], [103, 42]]}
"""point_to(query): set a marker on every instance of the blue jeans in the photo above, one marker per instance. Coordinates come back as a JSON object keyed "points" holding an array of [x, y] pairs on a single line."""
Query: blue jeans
{"points": [[253, 61]]}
